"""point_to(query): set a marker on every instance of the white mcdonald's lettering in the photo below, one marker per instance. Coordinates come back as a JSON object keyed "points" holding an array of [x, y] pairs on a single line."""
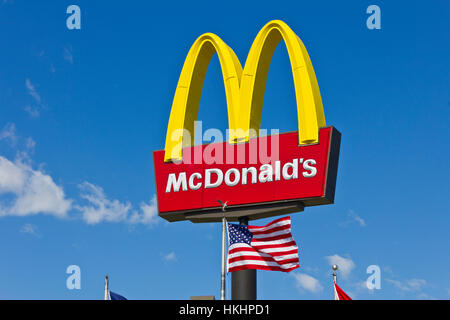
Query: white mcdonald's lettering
{"points": [[177, 182], [214, 177]]}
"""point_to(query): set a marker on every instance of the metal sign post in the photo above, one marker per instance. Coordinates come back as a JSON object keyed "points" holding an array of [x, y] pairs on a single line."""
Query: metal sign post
{"points": [[223, 276], [335, 268], [106, 288], [243, 282]]}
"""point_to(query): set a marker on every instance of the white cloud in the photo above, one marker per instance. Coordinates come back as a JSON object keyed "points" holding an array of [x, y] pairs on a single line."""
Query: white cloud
{"points": [[30, 229], [170, 257], [353, 217], [307, 282], [101, 208], [416, 284], [32, 191], [32, 91], [410, 285], [30, 143], [41, 195], [12, 177], [68, 55], [9, 133], [148, 213], [388, 269], [345, 265], [33, 112], [362, 285], [25, 191]]}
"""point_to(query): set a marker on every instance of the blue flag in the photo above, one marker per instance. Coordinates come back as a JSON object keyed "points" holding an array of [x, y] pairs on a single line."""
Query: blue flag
{"points": [[115, 296]]}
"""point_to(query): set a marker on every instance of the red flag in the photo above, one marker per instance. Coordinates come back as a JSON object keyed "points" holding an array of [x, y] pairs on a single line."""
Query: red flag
{"points": [[340, 293]]}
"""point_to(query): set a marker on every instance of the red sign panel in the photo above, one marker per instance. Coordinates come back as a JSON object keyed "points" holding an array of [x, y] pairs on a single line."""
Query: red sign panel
{"points": [[267, 176]]}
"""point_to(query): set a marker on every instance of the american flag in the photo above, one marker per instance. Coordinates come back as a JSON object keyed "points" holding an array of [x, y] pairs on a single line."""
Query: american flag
{"points": [[270, 247]]}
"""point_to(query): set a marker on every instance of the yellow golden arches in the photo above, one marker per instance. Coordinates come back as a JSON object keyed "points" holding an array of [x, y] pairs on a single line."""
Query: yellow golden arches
{"points": [[244, 90], [309, 103], [187, 95]]}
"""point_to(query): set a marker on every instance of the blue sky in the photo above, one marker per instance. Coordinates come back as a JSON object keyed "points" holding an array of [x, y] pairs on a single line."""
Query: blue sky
{"points": [[82, 110]]}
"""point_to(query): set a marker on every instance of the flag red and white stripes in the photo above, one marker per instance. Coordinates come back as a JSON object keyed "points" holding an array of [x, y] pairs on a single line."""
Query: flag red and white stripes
{"points": [[271, 247], [340, 294]]}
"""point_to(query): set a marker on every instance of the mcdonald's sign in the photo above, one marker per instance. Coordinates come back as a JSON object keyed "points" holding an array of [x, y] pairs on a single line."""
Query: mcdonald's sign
{"points": [[255, 175]]}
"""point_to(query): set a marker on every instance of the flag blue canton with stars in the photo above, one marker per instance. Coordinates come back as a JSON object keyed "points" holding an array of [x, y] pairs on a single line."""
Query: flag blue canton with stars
{"points": [[239, 234]]}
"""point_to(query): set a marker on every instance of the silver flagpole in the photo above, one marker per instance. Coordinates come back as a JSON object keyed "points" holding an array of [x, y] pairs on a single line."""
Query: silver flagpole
{"points": [[224, 252], [335, 268], [106, 287], [224, 257]]}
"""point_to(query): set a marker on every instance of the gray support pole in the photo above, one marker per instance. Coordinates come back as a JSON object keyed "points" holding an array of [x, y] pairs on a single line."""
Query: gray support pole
{"points": [[335, 268], [224, 260], [243, 282], [106, 287]]}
